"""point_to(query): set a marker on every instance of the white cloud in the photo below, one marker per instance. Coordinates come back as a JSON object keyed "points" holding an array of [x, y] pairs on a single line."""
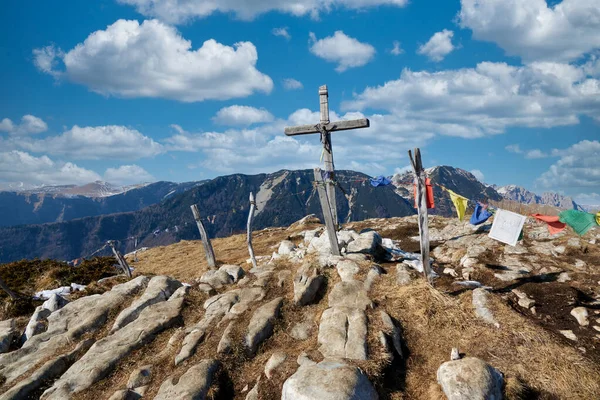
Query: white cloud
{"points": [[514, 148], [578, 167], [292, 84], [533, 30], [439, 46], [154, 60], [127, 174], [283, 32], [529, 154], [485, 100], [347, 52], [478, 174], [18, 166], [242, 115], [592, 199], [29, 125], [180, 11], [46, 60], [397, 49], [536, 153], [94, 142]]}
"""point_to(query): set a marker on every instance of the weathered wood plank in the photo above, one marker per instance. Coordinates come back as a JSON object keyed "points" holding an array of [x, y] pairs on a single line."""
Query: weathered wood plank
{"points": [[330, 127], [421, 201], [328, 152], [208, 249], [329, 224], [249, 229], [120, 259]]}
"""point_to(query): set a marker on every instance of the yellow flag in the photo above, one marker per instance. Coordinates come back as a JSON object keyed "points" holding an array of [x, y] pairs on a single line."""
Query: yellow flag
{"points": [[460, 203], [598, 218]]}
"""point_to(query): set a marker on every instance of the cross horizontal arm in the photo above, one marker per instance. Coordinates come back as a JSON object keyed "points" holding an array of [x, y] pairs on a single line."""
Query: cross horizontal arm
{"points": [[330, 127]]}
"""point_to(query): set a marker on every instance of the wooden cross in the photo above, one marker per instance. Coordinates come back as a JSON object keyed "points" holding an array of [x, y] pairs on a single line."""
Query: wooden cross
{"points": [[324, 128]]}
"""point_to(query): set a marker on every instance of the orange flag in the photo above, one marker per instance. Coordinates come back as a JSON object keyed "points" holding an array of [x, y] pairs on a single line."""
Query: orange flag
{"points": [[429, 194], [554, 224]]}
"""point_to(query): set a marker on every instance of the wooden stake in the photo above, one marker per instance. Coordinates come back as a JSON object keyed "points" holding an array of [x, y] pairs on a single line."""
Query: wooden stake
{"points": [[210, 254], [325, 206], [249, 229], [327, 151], [421, 200], [120, 259]]}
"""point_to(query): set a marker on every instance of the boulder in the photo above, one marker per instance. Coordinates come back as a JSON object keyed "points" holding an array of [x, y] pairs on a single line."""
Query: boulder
{"points": [[581, 315], [55, 303], [235, 271], [343, 333], [392, 334], [367, 242], [7, 334], [349, 294], [480, 304], [404, 276], [301, 330], [37, 323], [262, 322], [226, 342], [275, 361], [140, 377], [470, 378], [328, 380], [193, 384], [347, 269], [216, 278], [374, 273], [286, 247]]}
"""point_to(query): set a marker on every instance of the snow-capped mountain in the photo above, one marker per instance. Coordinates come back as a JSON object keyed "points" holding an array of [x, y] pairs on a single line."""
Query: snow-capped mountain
{"points": [[94, 189], [522, 195]]}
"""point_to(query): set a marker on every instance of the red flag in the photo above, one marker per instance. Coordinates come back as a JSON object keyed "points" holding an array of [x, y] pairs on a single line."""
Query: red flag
{"points": [[554, 224], [429, 194]]}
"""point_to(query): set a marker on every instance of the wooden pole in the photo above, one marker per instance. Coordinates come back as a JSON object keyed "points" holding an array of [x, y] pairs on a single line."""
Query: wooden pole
{"points": [[325, 206], [249, 229], [327, 151], [12, 294], [421, 201], [120, 259], [210, 254]]}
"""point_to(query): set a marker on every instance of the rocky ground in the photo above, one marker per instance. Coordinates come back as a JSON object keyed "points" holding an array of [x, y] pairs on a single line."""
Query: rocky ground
{"points": [[516, 322]]}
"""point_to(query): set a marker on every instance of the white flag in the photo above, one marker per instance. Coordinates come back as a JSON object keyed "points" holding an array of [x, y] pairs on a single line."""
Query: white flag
{"points": [[507, 227]]}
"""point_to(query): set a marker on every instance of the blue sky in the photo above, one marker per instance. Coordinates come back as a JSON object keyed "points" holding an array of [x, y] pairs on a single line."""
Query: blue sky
{"points": [[180, 90]]}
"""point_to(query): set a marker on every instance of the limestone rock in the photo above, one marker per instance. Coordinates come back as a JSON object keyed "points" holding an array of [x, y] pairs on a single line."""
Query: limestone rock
{"points": [[524, 300], [67, 325], [581, 315], [225, 343], [7, 333], [392, 334], [253, 394], [347, 269], [307, 286], [125, 394], [140, 377], [37, 322], [374, 273], [328, 380], [470, 378], [206, 288], [159, 289], [480, 303], [367, 242], [235, 271], [286, 248], [349, 294], [261, 323], [193, 384], [403, 275], [569, 334], [563, 277], [343, 333], [451, 272], [216, 278], [55, 303], [283, 276], [101, 358], [275, 361], [301, 330]]}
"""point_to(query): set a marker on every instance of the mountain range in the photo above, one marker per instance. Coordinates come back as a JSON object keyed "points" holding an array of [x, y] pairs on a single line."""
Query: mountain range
{"points": [[67, 226]]}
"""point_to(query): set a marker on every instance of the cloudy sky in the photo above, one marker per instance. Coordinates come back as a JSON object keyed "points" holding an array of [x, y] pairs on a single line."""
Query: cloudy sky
{"points": [[180, 90]]}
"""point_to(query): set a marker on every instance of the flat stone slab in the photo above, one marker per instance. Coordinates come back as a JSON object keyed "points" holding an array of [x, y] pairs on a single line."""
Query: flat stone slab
{"points": [[470, 378], [261, 323], [343, 333], [7, 333], [193, 385], [306, 286], [328, 380], [350, 294]]}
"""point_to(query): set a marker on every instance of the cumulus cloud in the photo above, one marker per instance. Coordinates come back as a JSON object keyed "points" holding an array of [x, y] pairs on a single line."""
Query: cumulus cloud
{"points": [[439, 46], [347, 52], [292, 84], [242, 115], [478, 174], [152, 59], [17, 166], [578, 167], [29, 125], [180, 11], [485, 100], [397, 49], [127, 175], [514, 148], [534, 30], [283, 32], [97, 142]]}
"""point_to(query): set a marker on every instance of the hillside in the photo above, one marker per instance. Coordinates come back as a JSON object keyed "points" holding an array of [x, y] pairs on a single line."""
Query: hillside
{"points": [[306, 325], [65, 203], [282, 198]]}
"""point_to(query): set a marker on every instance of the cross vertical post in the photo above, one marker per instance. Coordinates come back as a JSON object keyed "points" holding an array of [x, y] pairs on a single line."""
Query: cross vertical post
{"points": [[120, 259], [249, 229], [421, 201], [324, 128], [208, 250]]}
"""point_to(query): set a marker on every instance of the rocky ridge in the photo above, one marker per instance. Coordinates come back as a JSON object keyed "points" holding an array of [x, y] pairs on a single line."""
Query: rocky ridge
{"points": [[307, 325]]}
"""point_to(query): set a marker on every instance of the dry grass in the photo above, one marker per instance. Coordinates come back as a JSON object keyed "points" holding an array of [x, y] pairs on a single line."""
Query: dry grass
{"points": [[434, 323]]}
